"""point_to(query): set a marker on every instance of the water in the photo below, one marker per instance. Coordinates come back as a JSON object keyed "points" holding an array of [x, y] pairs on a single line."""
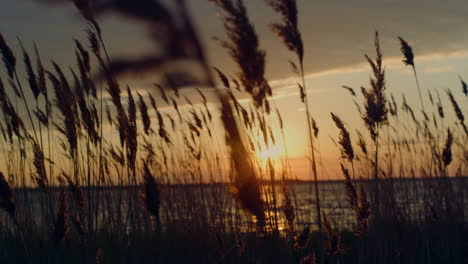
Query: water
{"points": [[193, 205]]}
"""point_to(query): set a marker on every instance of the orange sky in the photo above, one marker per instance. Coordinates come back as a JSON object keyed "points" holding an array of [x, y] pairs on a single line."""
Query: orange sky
{"points": [[337, 34]]}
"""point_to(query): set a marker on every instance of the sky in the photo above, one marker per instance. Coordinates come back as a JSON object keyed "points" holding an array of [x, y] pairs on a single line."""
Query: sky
{"points": [[336, 34]]}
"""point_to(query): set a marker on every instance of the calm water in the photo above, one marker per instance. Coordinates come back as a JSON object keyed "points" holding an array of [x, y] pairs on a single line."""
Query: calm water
{"points": [[413, 199]]}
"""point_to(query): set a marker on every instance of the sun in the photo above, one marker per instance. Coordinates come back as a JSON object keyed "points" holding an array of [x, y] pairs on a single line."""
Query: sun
{"points": [[273, 152]]}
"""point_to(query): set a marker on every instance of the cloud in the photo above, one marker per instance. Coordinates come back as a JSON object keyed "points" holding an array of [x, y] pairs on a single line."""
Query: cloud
{"points": [[445, 68], [338, 33]]}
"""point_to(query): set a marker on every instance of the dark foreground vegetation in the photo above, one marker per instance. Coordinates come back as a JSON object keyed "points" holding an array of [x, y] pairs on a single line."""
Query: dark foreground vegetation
{"points": [[399, 243], [70, 133]]}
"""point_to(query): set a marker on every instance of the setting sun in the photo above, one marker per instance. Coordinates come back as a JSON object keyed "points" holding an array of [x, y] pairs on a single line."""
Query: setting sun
{"points": [[273, 152]]}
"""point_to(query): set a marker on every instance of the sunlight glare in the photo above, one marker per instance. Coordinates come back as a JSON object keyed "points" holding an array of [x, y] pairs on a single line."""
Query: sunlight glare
{"points": [[273, 152]]}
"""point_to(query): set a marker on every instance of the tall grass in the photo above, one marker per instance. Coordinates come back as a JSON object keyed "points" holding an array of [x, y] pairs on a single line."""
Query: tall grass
{"points": [[124, 175]]}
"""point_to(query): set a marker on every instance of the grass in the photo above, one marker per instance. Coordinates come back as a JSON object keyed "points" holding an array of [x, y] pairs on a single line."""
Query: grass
{"points": [[163, 191]]}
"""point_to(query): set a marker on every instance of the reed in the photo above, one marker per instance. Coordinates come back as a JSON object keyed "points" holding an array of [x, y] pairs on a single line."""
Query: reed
{"points": [[290, 34], [409, 60], [145, 175], [375, 115]]}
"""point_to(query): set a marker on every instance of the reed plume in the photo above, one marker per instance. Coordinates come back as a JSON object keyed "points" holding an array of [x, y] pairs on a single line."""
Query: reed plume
{"points": [[83, 63], [87, 117], [364, 212], [11, 117], [243, 47], [447, 151], [8, 57], [315, 127], [65, 102], [345, 140], [38, 161], [358, 202], [407, 52], [83, 54], [464, 86], [440, 108], [32, 80], [162, 128], [41, 74], [145, 118], [10, 64], [457, 110], [151, 194], [122, 119], [246, 187], [362, 143], [223, 78], [132, 136], [349, 89], [351, 192], [375, 100], [409, 60], [85, 8], [289, 33], [109, 115], [392, 105], [94, 44], [375, 115], [288, 30]]}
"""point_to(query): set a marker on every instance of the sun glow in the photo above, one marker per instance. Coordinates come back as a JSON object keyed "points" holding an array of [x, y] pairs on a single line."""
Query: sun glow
{"points": [[273, 152]]}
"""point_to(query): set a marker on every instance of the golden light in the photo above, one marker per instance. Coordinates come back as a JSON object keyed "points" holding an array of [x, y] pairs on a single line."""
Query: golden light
{"points": [[274, 152]]}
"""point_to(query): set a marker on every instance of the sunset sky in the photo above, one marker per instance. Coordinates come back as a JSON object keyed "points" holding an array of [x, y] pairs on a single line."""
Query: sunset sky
{"points": [[336, 33]]}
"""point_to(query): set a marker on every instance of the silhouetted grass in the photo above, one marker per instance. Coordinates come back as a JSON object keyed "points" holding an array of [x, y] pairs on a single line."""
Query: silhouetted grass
{"points": [[182, 186]]}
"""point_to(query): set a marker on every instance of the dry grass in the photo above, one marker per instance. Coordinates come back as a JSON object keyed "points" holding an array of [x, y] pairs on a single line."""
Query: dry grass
{"points": [[176, 173]]}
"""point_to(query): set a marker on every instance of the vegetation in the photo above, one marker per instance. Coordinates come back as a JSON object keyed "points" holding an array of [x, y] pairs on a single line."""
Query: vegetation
{"points": [[94, 176]]}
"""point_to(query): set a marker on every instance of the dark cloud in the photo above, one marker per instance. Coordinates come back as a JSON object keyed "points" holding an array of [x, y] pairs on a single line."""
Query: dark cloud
{"points": [[336, 32]]}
